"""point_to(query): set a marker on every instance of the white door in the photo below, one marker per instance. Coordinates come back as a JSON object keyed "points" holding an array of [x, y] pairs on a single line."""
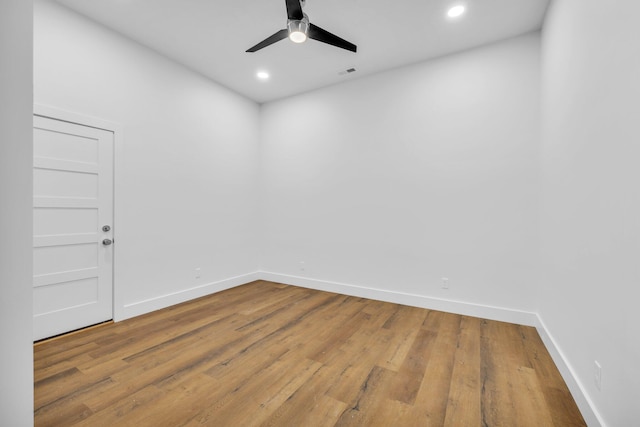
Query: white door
{"points": [[72, 226]]}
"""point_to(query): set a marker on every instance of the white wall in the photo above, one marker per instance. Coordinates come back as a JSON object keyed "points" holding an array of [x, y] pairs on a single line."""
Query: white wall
{"points": [[396, 180], [186, 184], [16, 97], [590, 205]]}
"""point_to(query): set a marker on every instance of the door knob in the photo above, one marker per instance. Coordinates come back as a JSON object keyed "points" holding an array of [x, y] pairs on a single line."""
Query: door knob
{"points": [[107, 242]]}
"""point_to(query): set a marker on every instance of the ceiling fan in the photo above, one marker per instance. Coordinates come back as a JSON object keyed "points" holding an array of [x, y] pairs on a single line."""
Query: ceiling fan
{"points": [[299, 29]]}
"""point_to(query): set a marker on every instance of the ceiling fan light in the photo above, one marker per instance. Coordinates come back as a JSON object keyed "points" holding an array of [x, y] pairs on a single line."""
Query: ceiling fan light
{"points": [[298, 30], [297, 37]]}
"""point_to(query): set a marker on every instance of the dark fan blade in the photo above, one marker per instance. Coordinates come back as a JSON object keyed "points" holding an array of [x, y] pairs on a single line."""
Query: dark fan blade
{"points": [[325, 36], [282, 34], [294, 10]]}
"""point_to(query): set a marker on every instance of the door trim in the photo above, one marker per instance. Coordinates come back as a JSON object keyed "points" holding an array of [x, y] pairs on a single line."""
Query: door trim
{"points": [[118, 154]]}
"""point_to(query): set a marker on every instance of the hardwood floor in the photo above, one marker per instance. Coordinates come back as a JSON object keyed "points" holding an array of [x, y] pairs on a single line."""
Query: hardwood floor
{"points": [[266, 354]]}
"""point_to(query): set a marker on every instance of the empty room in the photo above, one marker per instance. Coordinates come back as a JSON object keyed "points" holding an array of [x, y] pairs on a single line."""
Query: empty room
{"points": [[319, 212]]}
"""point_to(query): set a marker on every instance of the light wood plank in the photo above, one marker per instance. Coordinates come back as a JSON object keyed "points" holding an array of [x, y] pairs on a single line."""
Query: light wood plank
{"points": [[267, 354]]}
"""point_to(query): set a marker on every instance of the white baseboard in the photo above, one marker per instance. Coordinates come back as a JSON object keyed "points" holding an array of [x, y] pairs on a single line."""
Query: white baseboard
{"points": [[484, 311], [142, 307], [587, 409], [450, 306]]}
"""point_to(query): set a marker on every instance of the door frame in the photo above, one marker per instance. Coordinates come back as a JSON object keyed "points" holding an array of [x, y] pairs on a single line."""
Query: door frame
{"points": [[118, 154]]}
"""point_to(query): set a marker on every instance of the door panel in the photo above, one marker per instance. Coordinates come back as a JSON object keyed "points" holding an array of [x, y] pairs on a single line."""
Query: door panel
{"points": [[56, 183], [73, 199], [61, 296], [52, 221], [61, 145], [64, 257]]}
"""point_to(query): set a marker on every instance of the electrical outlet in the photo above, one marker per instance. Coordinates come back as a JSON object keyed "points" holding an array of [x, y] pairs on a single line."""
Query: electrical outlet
{"points": [[445, 283], [597, 374], [302, 266], [198, 271]]}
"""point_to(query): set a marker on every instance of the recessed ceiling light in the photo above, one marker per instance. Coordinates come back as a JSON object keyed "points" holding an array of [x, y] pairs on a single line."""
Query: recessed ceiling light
{"points": [[262, 75], [456, 11]]}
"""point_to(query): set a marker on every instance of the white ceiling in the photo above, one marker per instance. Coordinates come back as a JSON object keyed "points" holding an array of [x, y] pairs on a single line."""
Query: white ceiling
{"points": [[211, 36]]}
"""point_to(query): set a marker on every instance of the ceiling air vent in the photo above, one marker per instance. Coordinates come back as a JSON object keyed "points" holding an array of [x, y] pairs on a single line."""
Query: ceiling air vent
{"points": [[349, 71]]}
